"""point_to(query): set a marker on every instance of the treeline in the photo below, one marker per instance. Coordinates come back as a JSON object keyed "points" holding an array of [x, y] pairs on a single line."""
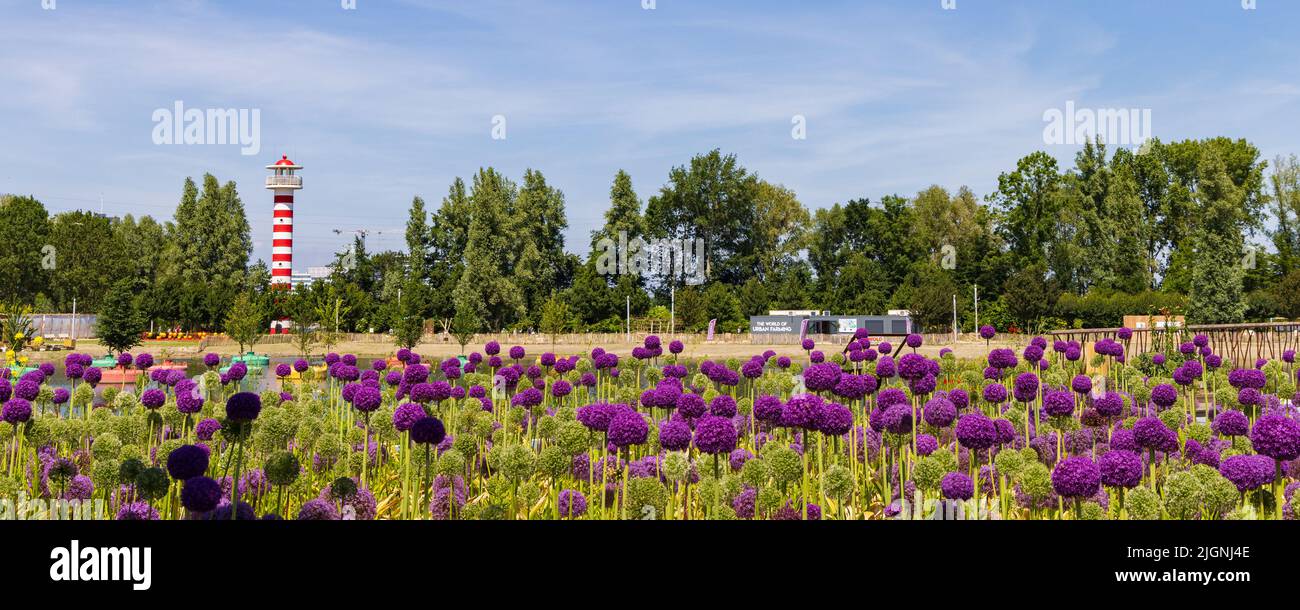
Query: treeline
{"points": [[1167, 228]]}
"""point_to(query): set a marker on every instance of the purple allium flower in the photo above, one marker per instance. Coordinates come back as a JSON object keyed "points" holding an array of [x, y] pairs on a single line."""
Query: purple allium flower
{"points": [[1277, 437], [975, 431], [995, 393], [200, 494], [153, 398], [318, 510], [137, 511], [1164, 395], [572, 504], [940, 412], [897, 419], [1120, 468], [1248, 472], [1025, 388], [283, 370], [1231, 423], [957, 486], [206, 428], [1076, 477], [926, 444], [987, 332], [187, 462], [674, 435], [691, 405], [1058, 403], [715, 435], [738, 458], [834, 419], [405, 416], [914, 340], [92, 376], [723, 406], [1149, 432], [1124, 333], [428, 431], [16, 411], [61, 395], [627, 428]]}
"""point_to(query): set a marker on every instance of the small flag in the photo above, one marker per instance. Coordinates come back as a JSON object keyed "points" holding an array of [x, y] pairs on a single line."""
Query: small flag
{"points": [[713, 325], [803, 330]]}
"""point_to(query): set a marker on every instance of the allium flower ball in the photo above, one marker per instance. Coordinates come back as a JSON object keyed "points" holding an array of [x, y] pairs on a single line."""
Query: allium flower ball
{"points": [[200, 494], [1110, 404], [691, 405], [1124, 333], [1076, 477], [61, 395], [940, 412], [957, 486], [92, 376], [1120, 468], [1058, 403], [318, 510], [428, 431], [1081, 384], [16, 411], [1231, 423], [153, 398], [572, 504], [676, 347], [807, 344], [243, 406], [1025, 387], [914, 340], [722, 406], [834, 419], [1248, 472], [975, 431], [926, 444], [187, 462], [674, 435], [897, 419], [517, 352], [1277, 437], [1150, 432], [987, 332], [367, 399], [1164, 395], [715, 435], [995, 393], [283, 370], [627, 428]]}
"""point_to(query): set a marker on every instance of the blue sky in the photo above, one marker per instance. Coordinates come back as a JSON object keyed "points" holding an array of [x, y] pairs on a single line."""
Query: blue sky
{"points": [[396, 97]]}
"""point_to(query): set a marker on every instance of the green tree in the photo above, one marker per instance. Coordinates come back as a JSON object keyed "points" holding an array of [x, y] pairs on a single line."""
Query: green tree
{"points": [[464, 325], [246, 321], [490, 260], [1029, 296], [555, 318], [119, 324], [24, 238], [711, 199], [1216, 295]]}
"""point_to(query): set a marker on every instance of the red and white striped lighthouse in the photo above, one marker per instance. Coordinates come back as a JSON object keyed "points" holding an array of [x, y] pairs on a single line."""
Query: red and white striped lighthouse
{"points": [[283, 182]]}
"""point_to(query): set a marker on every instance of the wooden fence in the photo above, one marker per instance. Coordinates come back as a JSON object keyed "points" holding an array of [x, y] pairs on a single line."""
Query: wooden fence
{"points": [[1242, 344]]}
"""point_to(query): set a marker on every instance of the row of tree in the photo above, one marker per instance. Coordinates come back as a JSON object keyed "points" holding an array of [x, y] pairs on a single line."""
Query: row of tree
{"points": [[1168, 228]]}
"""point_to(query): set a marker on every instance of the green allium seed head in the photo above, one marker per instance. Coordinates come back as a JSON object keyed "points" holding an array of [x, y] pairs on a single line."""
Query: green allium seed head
{"points": [[755, 473], [131, 452], [724, 513], [1199, 432], [646, 497], [282, 468], [499, 488], [166, 448], [572, 436], [355, 461], [1008, 463], [838, 481], [928, 472], [1243, 513], [329, 446], [450, 463], [1036, 480], [518, 462], [1142, 504], [1182, 494], [946, 458], [1142, 393], [554, 462], [1218, 495], [152, 483], [677, 466], [566, 413], [786, 465], [38, 430], [547, 427], [768, 500], [1173, 418], [1093, 511], [104, 473], [465, 444], [710, 492], [45, 394], [745, 406], [1226, 396]]}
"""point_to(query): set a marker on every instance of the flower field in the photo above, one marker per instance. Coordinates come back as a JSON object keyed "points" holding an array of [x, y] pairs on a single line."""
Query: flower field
{"points": [[876, 431]]}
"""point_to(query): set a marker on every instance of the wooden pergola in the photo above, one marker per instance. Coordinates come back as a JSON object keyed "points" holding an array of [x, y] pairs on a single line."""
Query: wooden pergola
{"points": [[1242, 344]]}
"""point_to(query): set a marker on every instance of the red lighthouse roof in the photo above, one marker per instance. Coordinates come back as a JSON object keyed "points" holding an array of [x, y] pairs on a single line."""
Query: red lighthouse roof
{"points": [[284, 160]]}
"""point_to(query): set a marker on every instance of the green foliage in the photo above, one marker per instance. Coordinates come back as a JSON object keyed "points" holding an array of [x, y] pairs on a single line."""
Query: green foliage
{"points": [[120, 325]]}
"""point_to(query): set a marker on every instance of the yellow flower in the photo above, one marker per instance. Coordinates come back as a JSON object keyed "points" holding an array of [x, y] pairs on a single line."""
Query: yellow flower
{"points": [[38, 341], [22, 359], [18, 337]]}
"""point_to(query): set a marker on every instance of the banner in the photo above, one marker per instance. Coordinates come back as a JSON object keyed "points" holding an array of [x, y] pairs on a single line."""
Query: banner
{"points": [[713, 325], [803, 330]]}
